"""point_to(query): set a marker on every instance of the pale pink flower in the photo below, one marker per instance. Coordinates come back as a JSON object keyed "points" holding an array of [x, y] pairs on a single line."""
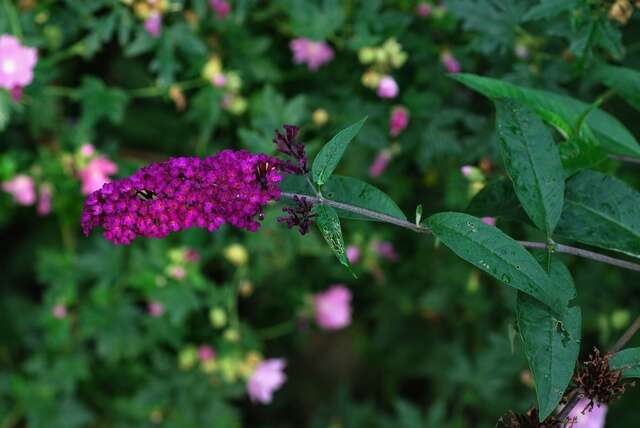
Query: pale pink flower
{"points": [[333, 307], [220, 7], [423, 9], [59, 311], [314, 54], [153, 24], [353, 254], [155, 309], [267, 378], [450, 62], [219, 80], [22, 188], [380, 163], [206, 353], [16, 63], [491, 221], [386, 250], [87, 150], [177, 272], [595, 418], [96, 173], [44, 198], [466, 170], [387, 88], [398, 120]]}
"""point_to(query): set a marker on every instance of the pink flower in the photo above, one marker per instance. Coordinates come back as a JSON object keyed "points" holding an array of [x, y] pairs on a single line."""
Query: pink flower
{"points": [[153, 24], [386, 250], [96, 173], [267, 377], [206, 353], [219, 80], [59, 311], [387, 88], [16, 63], [87, 150], [44, 200], [155, 309], [398, 121], [380, 163], [353, 254], [220, 7], [22, 189], [423, 9], [333, 307], [491, 221], [466, 170], [595, 418], [450, 62], [177, 272], [314, 54]]}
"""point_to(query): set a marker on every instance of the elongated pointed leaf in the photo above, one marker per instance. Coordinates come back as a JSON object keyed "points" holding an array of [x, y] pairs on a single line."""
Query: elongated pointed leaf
{"points": [[549, 9], [625, 81], [347, 190], [602, 211], [490, 250], [533, 163], [326, 161], [627, 360], [560, 111], [329, 225], [551, 342]]}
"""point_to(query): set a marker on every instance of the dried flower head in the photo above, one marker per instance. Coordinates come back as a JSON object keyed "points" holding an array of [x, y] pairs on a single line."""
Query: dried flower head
{"points": [[286, 144], [182, 193], [597, 381], [527, 420], [300, 215]]}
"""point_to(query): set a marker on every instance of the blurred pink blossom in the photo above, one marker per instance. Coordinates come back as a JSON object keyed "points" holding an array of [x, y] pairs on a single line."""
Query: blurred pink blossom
{"points": [[423, 9], [333, 307], [219, 80], [177, 272], [450, 62], [267, 378], [386, 250], [87, 150], [155, 309], [398, 121], [96, 173], [16, 64], [380, 163], [206, 353], [22, 188], [314, 54], [59, 311], [44, 198], [595, 418], [153, 24], [491, 221], [191, 255], [353, 254], [387, 88], [466, 170], [221, 7]]}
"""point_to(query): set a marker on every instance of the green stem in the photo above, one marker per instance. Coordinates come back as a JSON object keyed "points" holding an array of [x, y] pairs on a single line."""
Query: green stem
{"points": [[597, 103], [14, 21], [154, 91], [277, 330]]}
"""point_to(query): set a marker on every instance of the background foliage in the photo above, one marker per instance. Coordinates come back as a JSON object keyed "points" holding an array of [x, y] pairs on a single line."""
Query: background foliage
{"points": [[432, 343]]}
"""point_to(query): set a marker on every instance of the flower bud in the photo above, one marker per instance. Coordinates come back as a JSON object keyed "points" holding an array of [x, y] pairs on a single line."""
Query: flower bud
{"points": [[236, 254], [320, 117], [188, 357], [366, 55], [218, 317]]}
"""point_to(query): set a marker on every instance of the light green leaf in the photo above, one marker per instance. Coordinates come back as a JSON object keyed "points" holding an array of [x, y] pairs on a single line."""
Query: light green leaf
{"points": [[549, 8], [533, 163], [99, 101], [5, 109], [602, 211], [329, 225], [551, 342], [560, 111], [627, 360], [578, 153], [490, 250], [624, 81], [327, 160]]}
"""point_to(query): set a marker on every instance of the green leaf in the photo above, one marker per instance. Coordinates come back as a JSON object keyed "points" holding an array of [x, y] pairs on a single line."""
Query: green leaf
{"points": [[624, 81], [533, 163], [327, 160], [549, 9], [578, 153], [329, 225], [551, 343], [497, 199], [5, 109], [490, 250], [205, 111], [98, 101], [602, 211], [560, 111], [627, 360]]}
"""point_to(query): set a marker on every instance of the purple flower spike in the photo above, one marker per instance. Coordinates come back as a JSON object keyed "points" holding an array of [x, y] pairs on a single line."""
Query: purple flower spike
{"points": [[300, 215], [231, 187], [286, 144]]}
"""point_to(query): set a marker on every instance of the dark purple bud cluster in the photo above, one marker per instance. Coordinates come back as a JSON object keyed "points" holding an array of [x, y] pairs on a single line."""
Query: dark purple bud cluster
{"points": [[231, 187], [300, 215], [286, 144]]}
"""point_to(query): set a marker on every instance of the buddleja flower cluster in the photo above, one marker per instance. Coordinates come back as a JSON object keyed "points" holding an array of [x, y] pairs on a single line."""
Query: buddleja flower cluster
{"points": [[231, 187]]}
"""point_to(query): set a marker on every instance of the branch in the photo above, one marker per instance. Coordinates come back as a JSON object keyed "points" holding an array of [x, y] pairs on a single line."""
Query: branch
{"points": [[625, 159]]}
